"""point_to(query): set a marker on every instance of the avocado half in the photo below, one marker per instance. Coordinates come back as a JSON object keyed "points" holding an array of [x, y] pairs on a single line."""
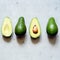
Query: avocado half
{"points": [[7, 27], [35, 29]]}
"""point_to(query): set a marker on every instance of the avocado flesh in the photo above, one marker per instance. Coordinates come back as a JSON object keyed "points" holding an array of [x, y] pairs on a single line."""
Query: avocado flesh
{"points": [[20, 28], [7, 27], [52, 28], [33, 22]]}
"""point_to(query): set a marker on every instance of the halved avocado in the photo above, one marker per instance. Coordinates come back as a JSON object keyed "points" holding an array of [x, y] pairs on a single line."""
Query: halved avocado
{"points": [[7, 27], [35, 29]]}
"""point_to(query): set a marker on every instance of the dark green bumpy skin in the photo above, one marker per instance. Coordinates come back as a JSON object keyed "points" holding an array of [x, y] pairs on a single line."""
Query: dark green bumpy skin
{"points": [[52, 28], [20, 28]]}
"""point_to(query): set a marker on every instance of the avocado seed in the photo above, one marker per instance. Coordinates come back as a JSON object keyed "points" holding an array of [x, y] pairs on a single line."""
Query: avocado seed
{"points": [[35, 29]]}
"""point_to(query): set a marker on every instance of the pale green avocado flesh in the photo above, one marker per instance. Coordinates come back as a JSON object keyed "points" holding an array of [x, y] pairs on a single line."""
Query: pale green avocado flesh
{"points": [[7, 27], [35, 29]]}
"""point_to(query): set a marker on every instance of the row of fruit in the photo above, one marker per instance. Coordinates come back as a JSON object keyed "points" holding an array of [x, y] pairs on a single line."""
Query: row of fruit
{"points": [[34, 29]]}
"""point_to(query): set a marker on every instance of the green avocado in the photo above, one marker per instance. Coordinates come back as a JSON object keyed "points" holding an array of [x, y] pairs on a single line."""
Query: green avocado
{"points": [[7, 27], [35, 29], [20, 28], [52, 28]]}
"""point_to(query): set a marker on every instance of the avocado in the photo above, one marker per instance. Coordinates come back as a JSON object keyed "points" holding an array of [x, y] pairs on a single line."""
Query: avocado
{"points": [[34, 29], [20, 28], [52, 28], [7, 27]]}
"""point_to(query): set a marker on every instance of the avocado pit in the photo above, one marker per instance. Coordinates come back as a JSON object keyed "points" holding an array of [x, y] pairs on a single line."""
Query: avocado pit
{"points": [[35, 29]]}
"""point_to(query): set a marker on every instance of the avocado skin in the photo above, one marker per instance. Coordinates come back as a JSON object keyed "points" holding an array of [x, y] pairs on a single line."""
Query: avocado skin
{"points": [[7, 36], [52, 28], [20, 28]]}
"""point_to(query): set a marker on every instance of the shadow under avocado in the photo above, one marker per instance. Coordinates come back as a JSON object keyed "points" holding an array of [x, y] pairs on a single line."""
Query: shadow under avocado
{"points": [[35, 40], [7, 39], [21, 39], [52, 39]]}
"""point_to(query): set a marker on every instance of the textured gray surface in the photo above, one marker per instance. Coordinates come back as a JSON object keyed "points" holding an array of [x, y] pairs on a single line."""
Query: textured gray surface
{"points": [[42, 48]]}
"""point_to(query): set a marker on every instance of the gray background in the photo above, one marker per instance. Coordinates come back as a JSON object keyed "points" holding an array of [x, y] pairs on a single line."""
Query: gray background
{"points": [[25, 48]]}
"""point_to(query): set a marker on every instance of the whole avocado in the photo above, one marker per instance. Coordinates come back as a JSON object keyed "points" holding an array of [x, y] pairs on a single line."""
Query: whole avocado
{"points": [[52, 28], [20, 28]]}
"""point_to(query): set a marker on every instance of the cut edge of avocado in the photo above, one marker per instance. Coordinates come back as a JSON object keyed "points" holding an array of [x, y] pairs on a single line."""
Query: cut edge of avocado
{"points": [[33, 22], [7, 27]]}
